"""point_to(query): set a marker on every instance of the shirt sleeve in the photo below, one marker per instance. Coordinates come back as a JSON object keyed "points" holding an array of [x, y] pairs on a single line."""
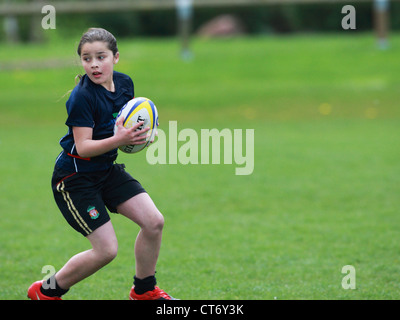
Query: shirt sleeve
{"points": [[80, 110]]}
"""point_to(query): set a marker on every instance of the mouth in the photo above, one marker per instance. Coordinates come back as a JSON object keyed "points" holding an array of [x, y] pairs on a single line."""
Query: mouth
{"points": [[96, 74]]}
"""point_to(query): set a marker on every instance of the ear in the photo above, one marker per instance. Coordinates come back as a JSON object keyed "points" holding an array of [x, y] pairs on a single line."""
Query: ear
{"points": [[116, 58]]}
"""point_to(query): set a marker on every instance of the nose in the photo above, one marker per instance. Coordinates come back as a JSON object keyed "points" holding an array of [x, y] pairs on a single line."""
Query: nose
{"points": [[94, 64]]}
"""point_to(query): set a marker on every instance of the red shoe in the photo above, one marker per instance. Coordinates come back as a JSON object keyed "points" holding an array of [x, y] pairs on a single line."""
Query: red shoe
{"points": [[156, 294], [34, 292]]}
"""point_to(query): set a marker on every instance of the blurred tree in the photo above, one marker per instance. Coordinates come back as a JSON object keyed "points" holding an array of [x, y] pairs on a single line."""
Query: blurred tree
{"points": [[35, 26], [279, 18], [11, 28]]}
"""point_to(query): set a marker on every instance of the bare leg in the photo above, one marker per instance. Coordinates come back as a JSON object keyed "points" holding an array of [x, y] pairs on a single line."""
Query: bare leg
{"points": [[142, 210], [104, 250]]}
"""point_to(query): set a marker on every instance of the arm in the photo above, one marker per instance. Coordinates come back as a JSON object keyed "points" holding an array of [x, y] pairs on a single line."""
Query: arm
{"points": [[88, 148]]}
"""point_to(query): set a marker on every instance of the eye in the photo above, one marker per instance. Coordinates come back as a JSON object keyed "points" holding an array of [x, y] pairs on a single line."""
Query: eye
{"points": [[101, 57]]}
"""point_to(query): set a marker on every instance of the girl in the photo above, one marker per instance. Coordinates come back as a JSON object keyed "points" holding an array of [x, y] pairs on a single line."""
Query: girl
{"points": [[86, 180]]}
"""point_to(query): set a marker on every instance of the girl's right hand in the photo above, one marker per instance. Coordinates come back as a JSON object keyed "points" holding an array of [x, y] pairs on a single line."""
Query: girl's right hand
{"points": [[130, 136]]}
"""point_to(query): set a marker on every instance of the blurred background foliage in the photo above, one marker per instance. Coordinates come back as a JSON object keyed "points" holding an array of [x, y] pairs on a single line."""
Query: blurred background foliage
{"points": [[271, 19]]}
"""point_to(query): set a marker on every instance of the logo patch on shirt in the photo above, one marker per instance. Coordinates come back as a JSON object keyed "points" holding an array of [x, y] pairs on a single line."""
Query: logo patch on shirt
{"points": [[93, 213]]}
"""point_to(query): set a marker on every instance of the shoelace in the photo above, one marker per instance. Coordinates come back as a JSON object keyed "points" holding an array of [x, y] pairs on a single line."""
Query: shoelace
{"points": [[157, 292]]}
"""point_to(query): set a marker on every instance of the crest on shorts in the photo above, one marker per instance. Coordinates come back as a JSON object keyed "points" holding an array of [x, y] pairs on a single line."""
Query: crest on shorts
{"points": [[93, 213]]}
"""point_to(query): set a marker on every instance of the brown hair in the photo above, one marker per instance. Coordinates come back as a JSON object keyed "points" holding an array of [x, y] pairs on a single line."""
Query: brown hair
{"points": [[90, 36], [98, 34]]}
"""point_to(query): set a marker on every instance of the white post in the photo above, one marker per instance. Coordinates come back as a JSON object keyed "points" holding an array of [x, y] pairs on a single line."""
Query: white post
{"points": [[185, 13], [381, 21]]}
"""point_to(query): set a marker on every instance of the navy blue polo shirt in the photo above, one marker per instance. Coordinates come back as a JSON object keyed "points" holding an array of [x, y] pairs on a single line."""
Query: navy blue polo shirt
{"points": [[91, 105]]}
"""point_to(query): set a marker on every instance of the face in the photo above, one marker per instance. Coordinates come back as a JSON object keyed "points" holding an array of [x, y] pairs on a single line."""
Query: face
{"points": [[98, 62]]}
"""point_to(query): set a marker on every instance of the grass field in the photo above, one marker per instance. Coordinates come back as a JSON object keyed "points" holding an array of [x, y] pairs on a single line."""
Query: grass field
{"points": [[324, 192]]}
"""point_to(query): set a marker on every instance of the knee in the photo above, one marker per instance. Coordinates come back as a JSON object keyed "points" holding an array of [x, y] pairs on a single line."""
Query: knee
{"points": [[158, 223], [108, 253], [111, 252], [155, 225]]}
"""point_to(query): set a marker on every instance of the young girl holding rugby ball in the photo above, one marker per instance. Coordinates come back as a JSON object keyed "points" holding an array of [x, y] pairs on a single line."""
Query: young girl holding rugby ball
{"points": [[86, 180]]}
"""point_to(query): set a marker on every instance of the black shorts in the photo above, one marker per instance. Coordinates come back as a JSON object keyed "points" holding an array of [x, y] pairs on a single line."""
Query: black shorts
{"points": [[84, 197]]}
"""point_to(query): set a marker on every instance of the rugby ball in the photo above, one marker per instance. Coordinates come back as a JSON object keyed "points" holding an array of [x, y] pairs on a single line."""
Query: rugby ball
{"points": [[134, 111]]}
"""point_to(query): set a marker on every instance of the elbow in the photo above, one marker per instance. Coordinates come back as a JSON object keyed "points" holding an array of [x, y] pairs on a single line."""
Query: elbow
{"points": [[83, 156], [81, 153]]}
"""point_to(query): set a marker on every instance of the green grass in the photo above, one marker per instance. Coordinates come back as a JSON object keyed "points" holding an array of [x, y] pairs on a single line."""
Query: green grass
{"points": [[323, 194]]}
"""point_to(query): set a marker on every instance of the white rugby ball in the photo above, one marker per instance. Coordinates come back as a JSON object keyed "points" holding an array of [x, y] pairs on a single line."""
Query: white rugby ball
{"points": [[134, 111]]}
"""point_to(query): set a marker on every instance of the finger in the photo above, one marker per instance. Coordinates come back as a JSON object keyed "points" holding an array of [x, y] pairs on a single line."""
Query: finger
{"points": [[120, 121], [155, 135], [140, 132], [139, 142], [139, 139], [137, 125]]}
